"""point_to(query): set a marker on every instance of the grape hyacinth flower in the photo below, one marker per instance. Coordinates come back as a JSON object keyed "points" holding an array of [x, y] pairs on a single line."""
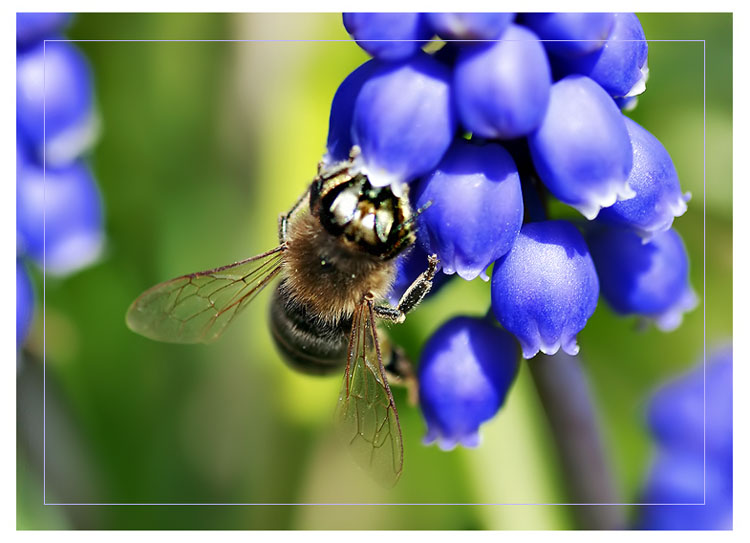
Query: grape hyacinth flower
{"points": [[546, 288], [54, 102], [571, 34], [66, 206], [658, 198], [55, 124], [675, 414], [403, 120], [465, 372], [479, 184], [649, 279], [469, 26], [582, 150], [388, 36], [620, 66], [676, 419], [502, 88], [486, 141]]}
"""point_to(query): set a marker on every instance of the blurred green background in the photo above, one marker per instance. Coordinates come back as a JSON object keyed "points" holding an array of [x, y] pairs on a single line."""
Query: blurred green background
{"points": [[203, 144]]}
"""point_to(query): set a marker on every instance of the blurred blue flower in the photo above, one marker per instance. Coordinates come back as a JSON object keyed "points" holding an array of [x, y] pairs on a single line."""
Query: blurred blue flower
{"points": [[676, 411], [66, 205], [403, 120], [649, 279], [372, 32], [54, 102], [24, 302], [582, 150], [465, 371], [621, 66], [502, 88], [680, 474], [658, 198], [34, 27], [469, 26], [546, 288], [476, 208], [571, 34], [55, 123]]}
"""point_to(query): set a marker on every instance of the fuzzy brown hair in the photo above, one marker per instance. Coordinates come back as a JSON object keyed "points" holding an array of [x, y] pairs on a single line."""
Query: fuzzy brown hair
{"points": [[329, 274]]}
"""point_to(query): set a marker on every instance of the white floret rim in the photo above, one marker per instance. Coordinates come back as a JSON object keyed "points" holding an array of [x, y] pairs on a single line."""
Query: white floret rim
{"points": [[615, 190], [672, 317]]}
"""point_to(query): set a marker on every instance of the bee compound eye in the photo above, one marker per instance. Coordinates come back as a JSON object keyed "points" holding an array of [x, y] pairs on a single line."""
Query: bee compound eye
{"points": [[383, 223], [344, 207], [367, 227]]}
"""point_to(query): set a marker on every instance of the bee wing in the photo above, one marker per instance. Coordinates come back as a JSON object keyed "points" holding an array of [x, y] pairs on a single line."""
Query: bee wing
{"points": [[366, 413], [196, 308]]}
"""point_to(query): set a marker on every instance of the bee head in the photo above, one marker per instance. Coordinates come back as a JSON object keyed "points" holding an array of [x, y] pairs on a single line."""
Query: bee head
{"points": [[372, 218]]}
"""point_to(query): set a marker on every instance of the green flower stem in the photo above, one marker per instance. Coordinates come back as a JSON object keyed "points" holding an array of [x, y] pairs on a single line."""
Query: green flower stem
{"points": [[564, 393]]}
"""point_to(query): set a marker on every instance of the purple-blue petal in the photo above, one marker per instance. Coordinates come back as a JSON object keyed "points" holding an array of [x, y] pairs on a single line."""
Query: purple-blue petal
{"points": [[403, 120], [679, 410], [475, 208], [678, 478], [342, 110], [502, 88], [35, 27], [54, 103], [627, 104], [691, 421], [67, 206], [546, 288], [621, 66], [469, 26], [658, 198], [571, 34], [465, 371], [582, 150], [649, 279], [388, 36]]}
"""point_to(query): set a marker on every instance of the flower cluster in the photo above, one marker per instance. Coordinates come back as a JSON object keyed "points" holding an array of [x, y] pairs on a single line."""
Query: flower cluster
{"points": [[508, 112], [689, 418], [58, 206]]}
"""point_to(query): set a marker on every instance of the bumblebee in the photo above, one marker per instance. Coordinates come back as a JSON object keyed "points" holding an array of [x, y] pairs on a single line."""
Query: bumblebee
{"points": [[336, 261]]}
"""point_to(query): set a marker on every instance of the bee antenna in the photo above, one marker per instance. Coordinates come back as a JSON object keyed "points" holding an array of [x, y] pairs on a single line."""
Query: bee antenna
{"points": [[422, 209], [416, 214]]}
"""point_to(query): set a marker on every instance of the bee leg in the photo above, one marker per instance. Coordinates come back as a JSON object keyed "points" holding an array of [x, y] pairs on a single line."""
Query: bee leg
{"points": [[400, 371], [413, 295], [284, 217], [389, 313]]}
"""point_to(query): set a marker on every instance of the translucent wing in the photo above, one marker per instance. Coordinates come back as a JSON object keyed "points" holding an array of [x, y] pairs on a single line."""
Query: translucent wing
{"points": [[196, 308], [366, 414]]}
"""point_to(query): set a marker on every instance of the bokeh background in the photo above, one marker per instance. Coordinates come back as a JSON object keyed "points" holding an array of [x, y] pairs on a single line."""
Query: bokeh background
{"points": [[203, 144]]}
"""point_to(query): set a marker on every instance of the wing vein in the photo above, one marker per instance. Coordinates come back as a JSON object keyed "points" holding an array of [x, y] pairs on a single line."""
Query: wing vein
{"points": [[173, 312], [366, 412]]}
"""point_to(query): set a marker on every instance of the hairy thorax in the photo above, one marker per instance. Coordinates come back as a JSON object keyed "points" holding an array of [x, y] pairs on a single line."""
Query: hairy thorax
{"points": [[328, 274]]}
